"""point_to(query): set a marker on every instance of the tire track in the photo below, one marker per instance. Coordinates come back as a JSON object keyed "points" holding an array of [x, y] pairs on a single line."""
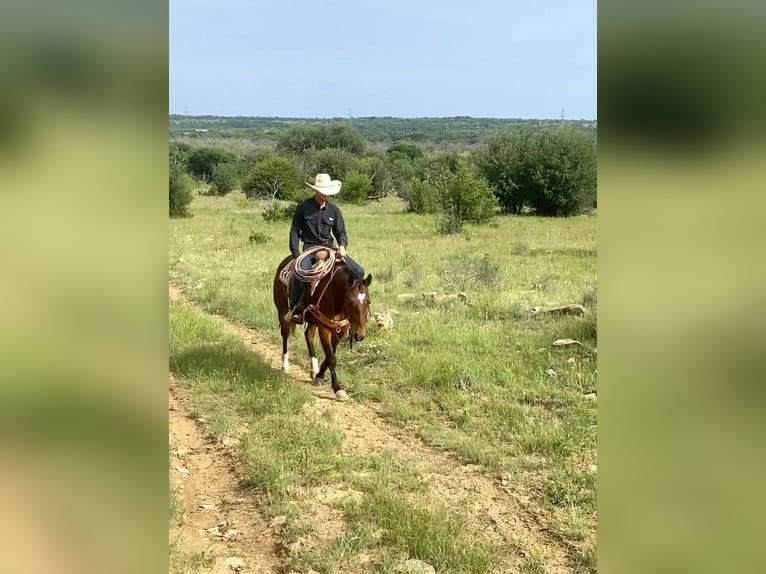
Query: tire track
{"points": [[219, 517]]}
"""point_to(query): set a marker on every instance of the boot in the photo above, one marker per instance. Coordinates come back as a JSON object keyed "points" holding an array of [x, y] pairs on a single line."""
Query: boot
{"points": [[295, 313]]}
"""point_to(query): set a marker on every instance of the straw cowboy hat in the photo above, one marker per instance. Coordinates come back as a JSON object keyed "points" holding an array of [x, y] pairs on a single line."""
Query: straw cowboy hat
{"points": [[324, 185]]}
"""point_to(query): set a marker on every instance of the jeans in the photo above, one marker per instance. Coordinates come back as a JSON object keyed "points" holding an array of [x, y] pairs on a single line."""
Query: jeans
{"points": [[297, 286]]}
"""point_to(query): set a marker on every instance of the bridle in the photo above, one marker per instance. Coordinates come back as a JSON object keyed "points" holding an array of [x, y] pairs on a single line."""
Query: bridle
{"points": [[338, 326]]}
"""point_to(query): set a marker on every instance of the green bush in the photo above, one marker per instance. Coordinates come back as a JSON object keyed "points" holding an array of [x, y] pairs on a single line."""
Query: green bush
{"points": [[258, 237], [276, 177], [180, 189], [552, 171], [464, 197], [471, 272], [224, 179], [276, 211], [339, 135], [420, 196], [409, 152], [356, 188], [335, 162], [202, 161]]}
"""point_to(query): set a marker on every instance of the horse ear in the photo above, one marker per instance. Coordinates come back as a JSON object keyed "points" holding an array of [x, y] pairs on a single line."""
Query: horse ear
{"points": [[368, 280]]}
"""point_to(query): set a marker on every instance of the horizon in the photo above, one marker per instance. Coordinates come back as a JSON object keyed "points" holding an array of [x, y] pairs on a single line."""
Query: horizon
{"points": [[342, 118]]}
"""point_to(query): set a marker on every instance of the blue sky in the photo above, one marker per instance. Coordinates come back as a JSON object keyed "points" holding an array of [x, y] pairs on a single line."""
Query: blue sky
{"points": [[416, 58]]}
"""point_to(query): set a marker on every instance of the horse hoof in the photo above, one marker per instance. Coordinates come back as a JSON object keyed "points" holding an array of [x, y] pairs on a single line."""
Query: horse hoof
{"points": [[341, 395], [316, 381]]}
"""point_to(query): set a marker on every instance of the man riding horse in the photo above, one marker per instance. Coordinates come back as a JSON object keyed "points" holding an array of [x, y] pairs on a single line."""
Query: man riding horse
{"points": [[314, 221]]}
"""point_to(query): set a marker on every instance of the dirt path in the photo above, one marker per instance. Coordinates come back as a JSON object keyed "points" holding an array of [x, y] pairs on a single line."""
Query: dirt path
{"points": [[495, 511], [220, 518]]}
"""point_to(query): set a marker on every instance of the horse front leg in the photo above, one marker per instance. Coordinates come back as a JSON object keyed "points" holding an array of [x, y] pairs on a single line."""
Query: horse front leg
{"points": [[285, 329], [310, 334], [329, 344]]}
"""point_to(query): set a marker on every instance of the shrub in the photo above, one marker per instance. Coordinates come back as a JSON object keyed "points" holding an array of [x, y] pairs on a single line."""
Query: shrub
{"points": [[564, 176], [203, 160], [180, 189], [471, 271], [276, 211], [258, 237], [464, 197], [356, 188], [339, 135], [333, 161], [224, 179], [275, 177], [410, 152], [421, 196], [552, 171]]}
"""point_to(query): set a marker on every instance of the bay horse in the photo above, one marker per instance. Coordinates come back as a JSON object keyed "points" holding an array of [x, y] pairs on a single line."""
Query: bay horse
{"points": [[340, 304]]}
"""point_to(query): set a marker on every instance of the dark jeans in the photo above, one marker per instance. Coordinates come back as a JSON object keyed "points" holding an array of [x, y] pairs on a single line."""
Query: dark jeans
{"points": [[297, 286]]}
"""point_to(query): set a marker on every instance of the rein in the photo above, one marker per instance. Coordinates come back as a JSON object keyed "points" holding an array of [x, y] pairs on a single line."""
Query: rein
{"points": [[321, 317], [324, 319]]}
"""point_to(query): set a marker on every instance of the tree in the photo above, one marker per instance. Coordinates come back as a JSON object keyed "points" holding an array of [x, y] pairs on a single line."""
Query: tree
{"points": [[418, 181], [334, 161], [224, 178], [179, 190], [402, 150], [421, 196], [340, 135], [464, 197], [356, 187], [506, 164], [552, 170], [202, 160], [276, 177], [563, 177]]}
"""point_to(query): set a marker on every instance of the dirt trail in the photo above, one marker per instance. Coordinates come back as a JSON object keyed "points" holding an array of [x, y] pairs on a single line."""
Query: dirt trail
{"points": [[220, 517], [494, 511]]}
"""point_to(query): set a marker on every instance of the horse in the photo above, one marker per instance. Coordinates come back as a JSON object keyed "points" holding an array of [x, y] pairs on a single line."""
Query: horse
{"points": [[340, 304]]}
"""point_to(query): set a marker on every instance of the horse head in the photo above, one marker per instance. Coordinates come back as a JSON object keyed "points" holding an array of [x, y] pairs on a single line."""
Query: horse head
{"points": [[357, 305]]}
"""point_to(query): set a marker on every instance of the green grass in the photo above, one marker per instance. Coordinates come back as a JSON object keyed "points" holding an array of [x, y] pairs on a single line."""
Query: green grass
{"points": [[468, 378], [287, 451], [430, 533], [182, 562]]}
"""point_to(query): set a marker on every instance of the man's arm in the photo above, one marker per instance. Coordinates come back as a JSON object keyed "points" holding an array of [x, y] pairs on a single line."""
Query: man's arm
{"points": [[295, 230], [339, 229]]}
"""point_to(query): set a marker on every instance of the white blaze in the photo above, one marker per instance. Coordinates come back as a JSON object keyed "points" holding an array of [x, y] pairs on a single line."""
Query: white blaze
{"points": [[314, 366], [361, 297], [285, 363]]}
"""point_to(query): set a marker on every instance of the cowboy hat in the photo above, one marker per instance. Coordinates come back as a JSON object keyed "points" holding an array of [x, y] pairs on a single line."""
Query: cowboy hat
{"points": [[324, 185]]}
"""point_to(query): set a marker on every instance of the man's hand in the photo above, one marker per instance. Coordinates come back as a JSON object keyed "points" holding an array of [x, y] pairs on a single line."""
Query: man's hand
{"points": [[341, 251]]}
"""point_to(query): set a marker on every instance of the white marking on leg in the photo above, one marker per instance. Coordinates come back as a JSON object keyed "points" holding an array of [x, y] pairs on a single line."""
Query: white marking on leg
{"points": [[285, 363], [314, 366], [361, 297]]}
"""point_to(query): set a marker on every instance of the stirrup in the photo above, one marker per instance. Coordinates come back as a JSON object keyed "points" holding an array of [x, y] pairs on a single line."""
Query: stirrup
{"points": [[294, 316]]}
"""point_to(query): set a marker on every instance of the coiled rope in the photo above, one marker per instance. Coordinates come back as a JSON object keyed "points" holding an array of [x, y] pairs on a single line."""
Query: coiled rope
{"points": [[321, 266]]}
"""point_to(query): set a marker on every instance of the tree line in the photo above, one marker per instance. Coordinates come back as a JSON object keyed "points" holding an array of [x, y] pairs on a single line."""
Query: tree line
{"points": [[549, 171], [387, 130]]}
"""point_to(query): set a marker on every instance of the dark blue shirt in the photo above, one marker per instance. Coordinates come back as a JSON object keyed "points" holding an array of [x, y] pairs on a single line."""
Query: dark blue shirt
{"points": [[314, 226]]}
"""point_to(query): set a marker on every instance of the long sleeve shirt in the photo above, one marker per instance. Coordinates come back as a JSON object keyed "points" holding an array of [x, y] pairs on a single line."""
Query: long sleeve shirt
{"points": [[314, 226]]}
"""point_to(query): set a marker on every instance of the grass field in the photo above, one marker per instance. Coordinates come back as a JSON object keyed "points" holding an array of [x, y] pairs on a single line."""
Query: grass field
{"points": [[481, 381]]}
